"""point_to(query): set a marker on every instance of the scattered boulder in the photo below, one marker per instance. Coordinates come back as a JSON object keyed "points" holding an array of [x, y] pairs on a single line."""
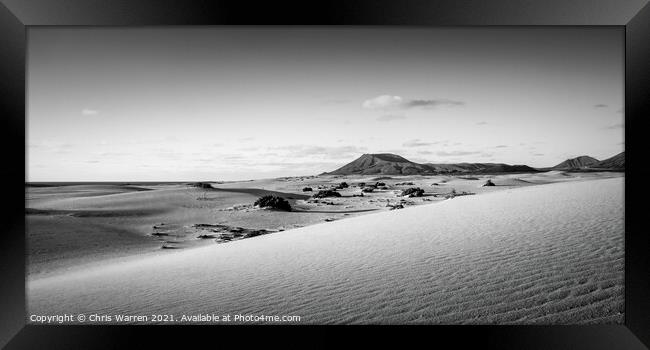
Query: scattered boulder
{"points": [[343, 185], [326, 193], [378, 184], [307, 189], [413, 192], [273, 202], [488, 183], [395, 206], [453, 194], [367, 189], [404, 184], [361, 184]]}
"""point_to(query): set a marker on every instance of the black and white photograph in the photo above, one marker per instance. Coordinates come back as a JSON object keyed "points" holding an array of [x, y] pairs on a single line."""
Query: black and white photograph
{"points": [[325, 175]]}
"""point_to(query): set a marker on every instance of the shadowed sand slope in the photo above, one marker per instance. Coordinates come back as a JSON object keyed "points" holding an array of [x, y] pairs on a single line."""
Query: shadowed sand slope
{"points": [[538, 254]]}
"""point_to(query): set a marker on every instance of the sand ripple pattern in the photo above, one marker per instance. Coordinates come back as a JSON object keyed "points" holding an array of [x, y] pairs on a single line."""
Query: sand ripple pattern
{"points": [[548, 254]]}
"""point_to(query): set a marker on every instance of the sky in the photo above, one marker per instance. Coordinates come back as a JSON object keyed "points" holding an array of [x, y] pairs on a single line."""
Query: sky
{"points": [[235, 103]]}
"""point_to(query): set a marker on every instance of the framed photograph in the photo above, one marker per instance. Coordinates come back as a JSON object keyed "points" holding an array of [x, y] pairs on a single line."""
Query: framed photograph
{"points": [[461, 173]]}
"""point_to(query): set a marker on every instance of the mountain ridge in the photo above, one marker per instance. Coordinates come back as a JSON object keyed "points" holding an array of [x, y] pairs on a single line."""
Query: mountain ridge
{"points": [[616, 162], [392, 164], [577, 163]]}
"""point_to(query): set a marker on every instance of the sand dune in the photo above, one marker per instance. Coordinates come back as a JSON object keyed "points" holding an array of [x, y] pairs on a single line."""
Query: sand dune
{"points": [[548, 254]]}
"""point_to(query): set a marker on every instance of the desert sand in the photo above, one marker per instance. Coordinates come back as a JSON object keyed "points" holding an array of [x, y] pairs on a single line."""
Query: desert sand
{"points": [[543, 248], [71, 226]]}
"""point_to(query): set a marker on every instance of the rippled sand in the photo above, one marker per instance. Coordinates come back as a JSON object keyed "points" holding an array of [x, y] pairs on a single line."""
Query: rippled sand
{"points": [[550, 254]]}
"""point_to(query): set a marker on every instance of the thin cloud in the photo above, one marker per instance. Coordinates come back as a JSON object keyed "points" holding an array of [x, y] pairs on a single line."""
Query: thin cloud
{"points": [[112, 154], [615, 126], [52, 146], [325, 152], [336, 101], [432, 103], [456, 153], [384, 102], [389, 117], [253, 148], [417, 143], [89, 112], [501, 146], [600, 105], [481, 123]]}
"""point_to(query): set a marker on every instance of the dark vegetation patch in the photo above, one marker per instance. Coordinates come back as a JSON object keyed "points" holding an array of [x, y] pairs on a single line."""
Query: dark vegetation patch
{"points": [[273, 202], [413, 192], [204, 185], [342, 185], [326, 193], [225, 233]]}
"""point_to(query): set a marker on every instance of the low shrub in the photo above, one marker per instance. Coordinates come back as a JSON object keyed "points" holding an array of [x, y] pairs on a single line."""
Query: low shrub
{"points": [[489, 183], [395, 206], [201, 185], [326, 193], [413, 192], [273, 202]]}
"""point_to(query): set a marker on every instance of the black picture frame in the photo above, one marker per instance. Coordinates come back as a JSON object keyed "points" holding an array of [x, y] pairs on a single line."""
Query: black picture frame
{"points": [[17, 15]]}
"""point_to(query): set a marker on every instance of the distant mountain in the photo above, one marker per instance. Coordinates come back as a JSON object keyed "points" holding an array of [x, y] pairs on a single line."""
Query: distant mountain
{"points": [[392, 164], [577, 163], [616, 162], [382, 163]]}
